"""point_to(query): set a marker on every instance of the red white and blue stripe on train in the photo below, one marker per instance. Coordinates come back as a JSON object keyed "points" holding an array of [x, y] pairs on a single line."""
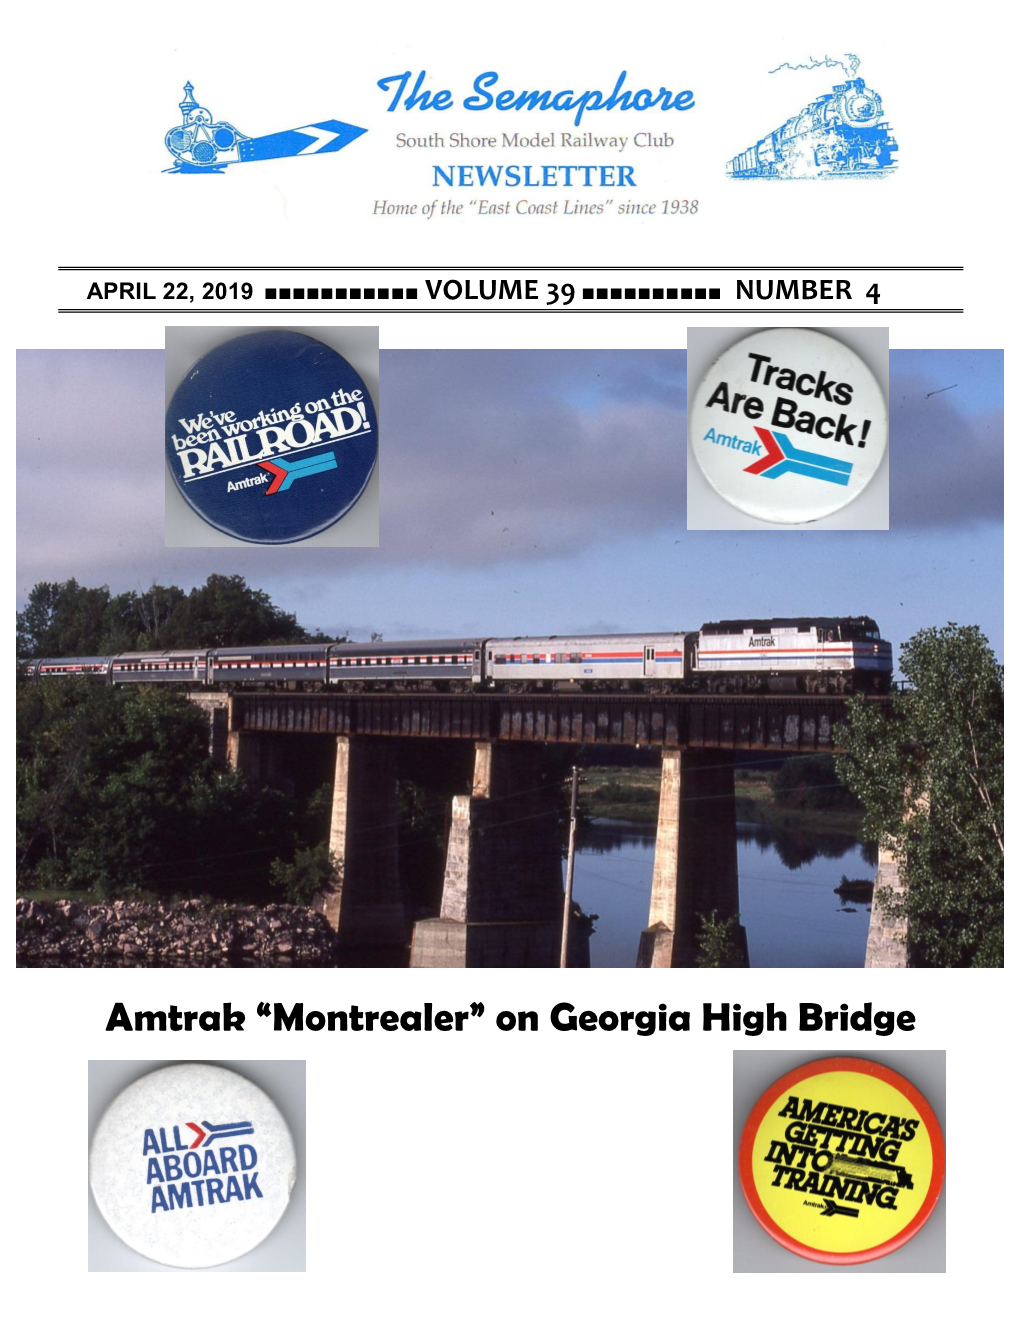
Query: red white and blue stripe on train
{"points": [[821, 655]]}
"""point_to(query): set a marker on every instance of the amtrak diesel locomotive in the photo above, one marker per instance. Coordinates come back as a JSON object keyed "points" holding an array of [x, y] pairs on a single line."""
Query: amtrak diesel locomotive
{"points": [[842, 132], [745, 655]]}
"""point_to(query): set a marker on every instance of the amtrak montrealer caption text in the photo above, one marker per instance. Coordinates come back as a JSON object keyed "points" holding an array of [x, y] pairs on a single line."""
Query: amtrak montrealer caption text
{"points": [[563, 1016]]}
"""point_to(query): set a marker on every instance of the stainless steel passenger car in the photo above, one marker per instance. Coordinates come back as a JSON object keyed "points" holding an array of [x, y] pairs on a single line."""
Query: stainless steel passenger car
{"points": [[235, 665], [158, 667], [638, 660], [87, 666], [452, 664]]}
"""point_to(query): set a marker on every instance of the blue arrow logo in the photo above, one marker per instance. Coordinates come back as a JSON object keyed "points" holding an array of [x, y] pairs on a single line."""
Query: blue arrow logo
{"points": [[287, 470], [781, 457], [203, 145], [312, 140]]}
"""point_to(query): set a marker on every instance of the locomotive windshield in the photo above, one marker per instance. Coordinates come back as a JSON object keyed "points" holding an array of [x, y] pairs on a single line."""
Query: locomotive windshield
{"points": [[860, 630]]}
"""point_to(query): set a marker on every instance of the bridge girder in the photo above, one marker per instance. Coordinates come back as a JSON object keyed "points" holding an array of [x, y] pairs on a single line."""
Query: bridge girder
{"points": [[766, 722]]}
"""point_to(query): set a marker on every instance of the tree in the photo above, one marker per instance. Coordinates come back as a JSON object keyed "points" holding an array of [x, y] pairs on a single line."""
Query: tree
{"points": [[719, 942], [810, 782], [227, 612], [116, 791], [930, 777], [146, 620], [63, 618], [312, 870]]}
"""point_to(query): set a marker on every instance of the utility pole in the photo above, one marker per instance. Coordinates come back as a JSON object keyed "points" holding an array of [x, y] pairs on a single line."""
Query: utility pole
{"points": [[568, 888]]}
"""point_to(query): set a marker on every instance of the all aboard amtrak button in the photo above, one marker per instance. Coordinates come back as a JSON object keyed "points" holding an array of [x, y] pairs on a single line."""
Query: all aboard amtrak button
{"points": [[789, 425], [192, 1165], [271, 437], [842, 1161]]}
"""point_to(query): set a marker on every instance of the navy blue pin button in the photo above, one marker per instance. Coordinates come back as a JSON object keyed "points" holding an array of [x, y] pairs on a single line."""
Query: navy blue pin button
{"points": [[271, 437]]}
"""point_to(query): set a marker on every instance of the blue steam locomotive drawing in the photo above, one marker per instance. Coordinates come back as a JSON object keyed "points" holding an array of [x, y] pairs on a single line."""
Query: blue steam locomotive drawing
{"points": [[816, 655], [841, 133]]}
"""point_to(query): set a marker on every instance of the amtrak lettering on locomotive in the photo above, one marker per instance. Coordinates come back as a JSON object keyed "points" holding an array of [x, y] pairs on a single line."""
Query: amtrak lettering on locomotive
{"points": [[841, 133], [820, 655]]}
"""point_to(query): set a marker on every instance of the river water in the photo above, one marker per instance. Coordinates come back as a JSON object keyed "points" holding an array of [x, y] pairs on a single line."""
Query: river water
{"points": [[787, 904]]}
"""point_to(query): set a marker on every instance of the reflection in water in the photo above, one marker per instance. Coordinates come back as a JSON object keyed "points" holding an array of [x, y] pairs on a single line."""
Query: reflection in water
{"points": [[798, 847], [787, 904]]}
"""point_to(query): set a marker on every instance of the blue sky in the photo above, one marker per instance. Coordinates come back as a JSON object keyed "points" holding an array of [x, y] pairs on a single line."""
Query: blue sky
{"points": [[530, 492]]}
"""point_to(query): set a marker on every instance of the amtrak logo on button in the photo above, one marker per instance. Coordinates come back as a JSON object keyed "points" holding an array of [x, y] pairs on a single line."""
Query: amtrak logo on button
{"points": [[177, 1181], [806, 412], [192, 1191], [271, 437]]}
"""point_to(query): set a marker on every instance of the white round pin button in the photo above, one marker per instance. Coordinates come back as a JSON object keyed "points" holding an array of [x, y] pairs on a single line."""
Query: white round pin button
{"points": [[789, 425], [192, 1165]]}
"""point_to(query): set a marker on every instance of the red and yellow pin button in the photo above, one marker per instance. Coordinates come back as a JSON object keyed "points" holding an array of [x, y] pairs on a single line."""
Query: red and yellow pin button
{"points": [[842, 1160]]}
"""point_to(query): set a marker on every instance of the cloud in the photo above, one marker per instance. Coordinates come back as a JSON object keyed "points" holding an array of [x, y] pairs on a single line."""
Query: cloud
{"points": [[492, 463], [90, 470], [500, 456], [946, 439]]}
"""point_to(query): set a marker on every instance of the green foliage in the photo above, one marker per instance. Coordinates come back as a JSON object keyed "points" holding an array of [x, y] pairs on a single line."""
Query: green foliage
{"points": [[227, 612], [62, 615], [311, 871], [930, 778], [811, 783], [116, 793], [718, 942], [64, 618]]}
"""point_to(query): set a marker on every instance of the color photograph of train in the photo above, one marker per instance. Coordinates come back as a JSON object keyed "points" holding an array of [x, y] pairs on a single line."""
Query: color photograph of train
{"points": [[816, 655]]}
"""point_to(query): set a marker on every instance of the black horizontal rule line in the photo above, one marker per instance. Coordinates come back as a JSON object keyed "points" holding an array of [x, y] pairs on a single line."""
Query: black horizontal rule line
{"points": [[460, 269], [511, 311]]}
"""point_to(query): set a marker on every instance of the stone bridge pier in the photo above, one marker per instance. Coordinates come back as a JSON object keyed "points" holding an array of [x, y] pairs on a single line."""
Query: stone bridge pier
{"points": [[887, 935], [695, 868], [366, 903], [263, 757], [502, 901], [215, 706]]}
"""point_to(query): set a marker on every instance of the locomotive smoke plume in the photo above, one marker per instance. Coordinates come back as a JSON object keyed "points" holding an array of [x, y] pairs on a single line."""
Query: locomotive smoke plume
{"points": [[850, 69]]}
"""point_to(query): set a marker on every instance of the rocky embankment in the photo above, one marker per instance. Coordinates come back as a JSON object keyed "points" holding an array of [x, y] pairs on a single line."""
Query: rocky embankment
{"points": [[190, 934]]}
